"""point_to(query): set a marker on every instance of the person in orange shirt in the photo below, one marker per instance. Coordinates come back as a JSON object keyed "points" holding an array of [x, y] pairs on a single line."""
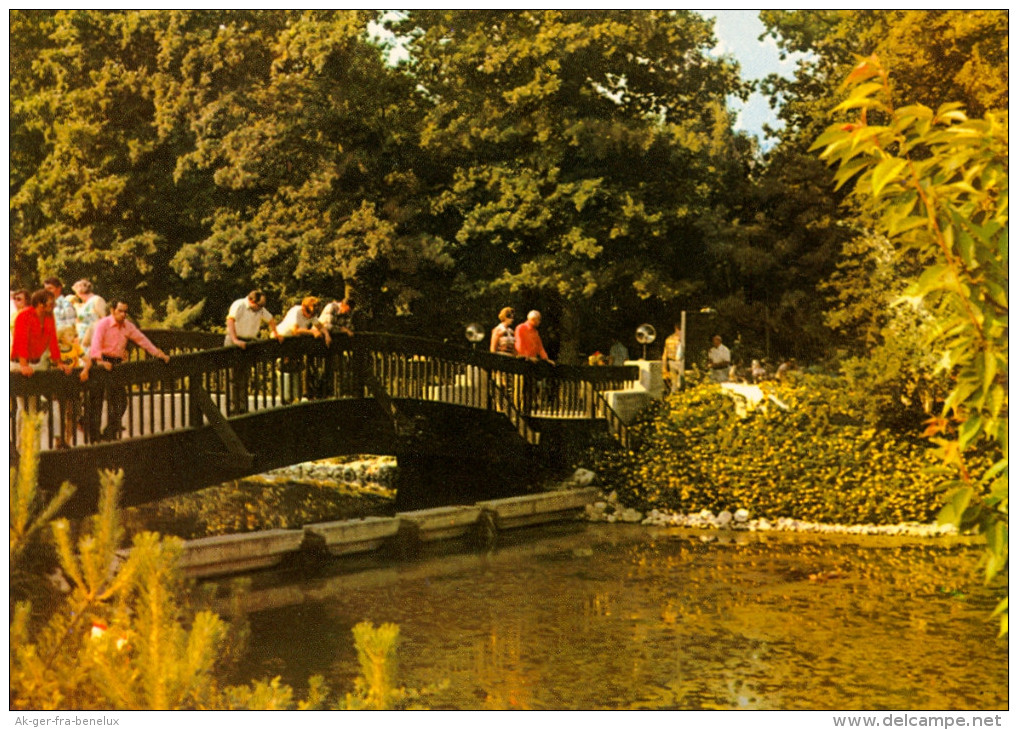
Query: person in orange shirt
{"points": [[528, 339]]}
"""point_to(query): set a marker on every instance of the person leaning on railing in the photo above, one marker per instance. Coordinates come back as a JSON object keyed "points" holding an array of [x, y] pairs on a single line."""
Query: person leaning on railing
{"points": [[245, 318], [34, 345], [109, 349], [243, 322], [337, 317], [528, 339]]}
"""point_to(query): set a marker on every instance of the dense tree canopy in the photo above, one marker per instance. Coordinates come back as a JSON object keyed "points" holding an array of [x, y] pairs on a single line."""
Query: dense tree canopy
{"points": [[584, 148], [935, 57], [204, 153], [580, 162]]}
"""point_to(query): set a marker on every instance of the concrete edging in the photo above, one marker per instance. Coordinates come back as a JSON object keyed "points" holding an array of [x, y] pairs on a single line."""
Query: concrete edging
{"points": [[222, 554], [225, 554]]}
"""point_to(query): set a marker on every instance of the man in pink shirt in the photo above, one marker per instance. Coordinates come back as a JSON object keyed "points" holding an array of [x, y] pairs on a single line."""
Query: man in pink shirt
{"points": [[109, 348], [528, 339]]}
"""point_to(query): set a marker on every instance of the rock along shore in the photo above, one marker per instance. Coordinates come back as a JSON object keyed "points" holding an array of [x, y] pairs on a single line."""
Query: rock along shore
{"points": [[609, 510]]}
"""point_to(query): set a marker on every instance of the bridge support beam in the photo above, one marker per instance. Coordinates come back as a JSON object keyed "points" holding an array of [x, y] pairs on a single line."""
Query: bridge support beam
{"points": [[236, 454]]}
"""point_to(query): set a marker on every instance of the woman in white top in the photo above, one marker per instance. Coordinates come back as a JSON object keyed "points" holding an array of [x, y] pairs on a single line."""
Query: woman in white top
{"points": [[503, 340], [89, 309]]}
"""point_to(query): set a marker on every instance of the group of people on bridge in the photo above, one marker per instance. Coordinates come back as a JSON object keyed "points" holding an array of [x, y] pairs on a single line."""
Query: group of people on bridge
{"points": [[53, 330], [246, 317], [522, 341], [77, 332]]}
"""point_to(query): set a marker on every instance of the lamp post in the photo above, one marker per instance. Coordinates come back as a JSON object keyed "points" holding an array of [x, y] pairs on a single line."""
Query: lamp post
{"points": [[707, 311], [474, 334], [645, 334]]}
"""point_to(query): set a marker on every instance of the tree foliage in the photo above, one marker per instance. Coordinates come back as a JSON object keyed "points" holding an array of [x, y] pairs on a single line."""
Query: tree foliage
{"points": [[937, 185], [580, 162], [580, 148], [204, 153]]}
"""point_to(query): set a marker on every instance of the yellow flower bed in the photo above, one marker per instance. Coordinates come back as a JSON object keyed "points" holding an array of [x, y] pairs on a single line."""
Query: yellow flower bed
{"points": [[818, 461]]}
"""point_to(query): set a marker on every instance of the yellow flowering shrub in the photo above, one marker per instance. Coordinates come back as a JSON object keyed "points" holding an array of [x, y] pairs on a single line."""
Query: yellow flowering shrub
{"points": [[818, 461]]}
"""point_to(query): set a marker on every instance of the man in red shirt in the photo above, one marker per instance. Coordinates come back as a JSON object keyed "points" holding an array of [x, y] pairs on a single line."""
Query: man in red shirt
{"points": [[528, 339], [109, 348], [34, 343], [34, 347]]}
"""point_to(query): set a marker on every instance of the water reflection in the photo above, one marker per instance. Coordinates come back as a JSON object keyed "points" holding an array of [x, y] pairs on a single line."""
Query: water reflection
{"points": [[601, 617]]}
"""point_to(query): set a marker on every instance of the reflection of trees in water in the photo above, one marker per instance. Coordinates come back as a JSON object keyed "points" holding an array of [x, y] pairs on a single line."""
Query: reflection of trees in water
{"points": [[504, 683], [632, 618]]}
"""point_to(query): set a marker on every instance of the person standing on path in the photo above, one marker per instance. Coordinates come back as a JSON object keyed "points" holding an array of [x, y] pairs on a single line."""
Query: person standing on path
{"points": [[720, 360], [674, 359]]}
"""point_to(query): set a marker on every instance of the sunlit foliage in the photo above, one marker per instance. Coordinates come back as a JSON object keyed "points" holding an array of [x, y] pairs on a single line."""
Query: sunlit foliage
{"points": [[819, 461], [937, 185]]}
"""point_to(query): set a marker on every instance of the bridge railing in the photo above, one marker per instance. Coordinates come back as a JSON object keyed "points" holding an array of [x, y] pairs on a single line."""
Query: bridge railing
{"points": [[162, 397]]}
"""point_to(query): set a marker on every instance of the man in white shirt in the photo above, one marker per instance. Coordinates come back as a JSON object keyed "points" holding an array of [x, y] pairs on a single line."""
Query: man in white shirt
{"points": [[301, 320], [720, 360], [245, 318], [243, 322]]}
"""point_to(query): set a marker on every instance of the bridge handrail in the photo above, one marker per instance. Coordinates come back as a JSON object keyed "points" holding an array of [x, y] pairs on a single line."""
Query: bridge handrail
{"points": [[616, 425], [275, 374], [174, 341], [425, 347], [194, 363]]}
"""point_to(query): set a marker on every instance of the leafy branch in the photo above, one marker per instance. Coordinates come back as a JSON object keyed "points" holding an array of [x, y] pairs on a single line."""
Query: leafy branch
{"points": [[937, 184]]}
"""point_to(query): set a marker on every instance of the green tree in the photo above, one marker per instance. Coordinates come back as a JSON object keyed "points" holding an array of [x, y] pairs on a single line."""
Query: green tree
{"points": [[936, 55], [309, 159], [937, 183], [882, 340], [201, 153], [92, 189], [580, 149]]}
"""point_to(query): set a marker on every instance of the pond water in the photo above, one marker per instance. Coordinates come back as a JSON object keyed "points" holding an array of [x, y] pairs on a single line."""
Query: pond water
{"points": [[594, 616]]}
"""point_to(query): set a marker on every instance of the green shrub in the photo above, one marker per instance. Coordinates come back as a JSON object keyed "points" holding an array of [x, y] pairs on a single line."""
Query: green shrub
{"points": [[819, 460], [127, 635]]}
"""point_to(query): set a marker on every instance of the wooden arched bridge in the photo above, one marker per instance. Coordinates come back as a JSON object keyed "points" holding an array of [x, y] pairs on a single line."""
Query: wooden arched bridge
{"points": [[451, 415]]}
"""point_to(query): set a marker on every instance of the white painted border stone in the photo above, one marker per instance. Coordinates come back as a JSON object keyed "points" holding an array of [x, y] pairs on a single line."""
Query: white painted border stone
{"points": [[534, 509], [442, 523]]}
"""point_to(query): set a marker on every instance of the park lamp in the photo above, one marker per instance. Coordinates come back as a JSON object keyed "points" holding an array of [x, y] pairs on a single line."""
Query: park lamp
{"points": [[645, 334], [474, 334]]}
